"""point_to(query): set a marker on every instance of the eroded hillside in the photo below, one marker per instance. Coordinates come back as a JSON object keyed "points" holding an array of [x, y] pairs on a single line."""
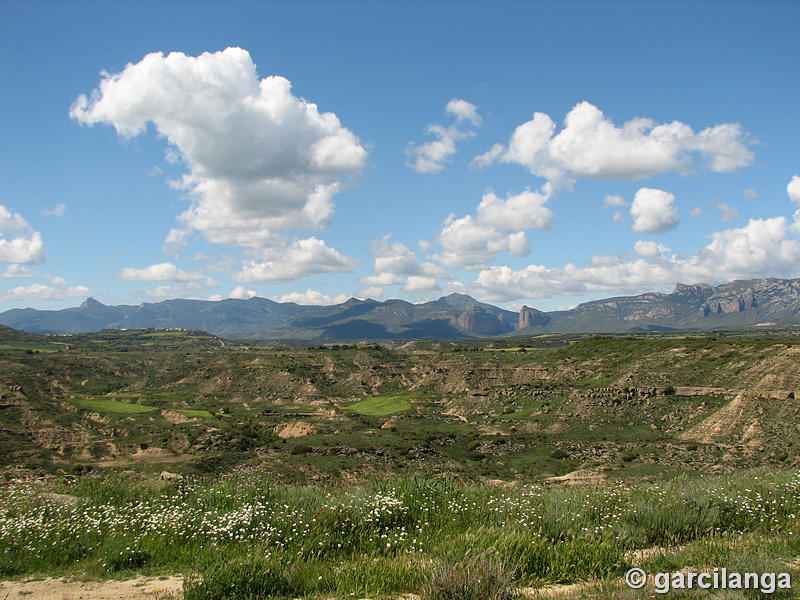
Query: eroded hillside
{"points": [[574, 407]]}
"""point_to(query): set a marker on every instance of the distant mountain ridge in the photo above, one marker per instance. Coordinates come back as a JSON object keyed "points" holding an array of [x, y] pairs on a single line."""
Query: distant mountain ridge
{"points": [[732, 305]]}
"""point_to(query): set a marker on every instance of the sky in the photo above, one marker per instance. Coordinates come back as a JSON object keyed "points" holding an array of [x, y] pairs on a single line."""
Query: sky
{"points": [[539, 153]]}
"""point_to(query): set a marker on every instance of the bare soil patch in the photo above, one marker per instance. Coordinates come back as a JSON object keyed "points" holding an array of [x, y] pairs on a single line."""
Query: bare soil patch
{"points": [[129, 589]]}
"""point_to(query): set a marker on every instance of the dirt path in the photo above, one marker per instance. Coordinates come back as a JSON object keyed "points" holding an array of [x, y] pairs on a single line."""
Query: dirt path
{"points": [[140, 588]]}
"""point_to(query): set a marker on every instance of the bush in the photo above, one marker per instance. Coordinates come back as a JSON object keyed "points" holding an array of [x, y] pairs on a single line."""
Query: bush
{"points": [[476, 578]]}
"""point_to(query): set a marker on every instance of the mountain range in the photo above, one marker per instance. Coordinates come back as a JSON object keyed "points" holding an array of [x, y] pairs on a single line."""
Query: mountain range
{"points": [[738, 304]]}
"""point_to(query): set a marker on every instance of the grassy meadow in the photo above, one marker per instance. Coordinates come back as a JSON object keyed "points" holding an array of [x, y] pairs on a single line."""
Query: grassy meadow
{"points": [[247, 535]]}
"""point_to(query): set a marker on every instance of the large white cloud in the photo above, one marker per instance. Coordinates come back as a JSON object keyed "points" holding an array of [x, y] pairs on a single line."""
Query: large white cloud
{"points": [[166, 272], [763, 248], [470, 245], [432, 156], [653, 211], [26, 245], [590, 145], [260, 160], [301, 258]]}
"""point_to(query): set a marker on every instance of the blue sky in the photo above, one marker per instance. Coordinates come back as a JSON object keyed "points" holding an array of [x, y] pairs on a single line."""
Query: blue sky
{"points": [[537, 153]]}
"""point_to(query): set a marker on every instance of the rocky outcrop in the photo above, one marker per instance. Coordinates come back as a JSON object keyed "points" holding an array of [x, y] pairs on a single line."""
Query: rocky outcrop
{"points": [[478, 320], [529, 317]]}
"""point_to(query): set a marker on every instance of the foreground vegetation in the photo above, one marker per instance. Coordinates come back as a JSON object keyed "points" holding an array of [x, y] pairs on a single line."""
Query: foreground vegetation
{"points": [[247, 536]]}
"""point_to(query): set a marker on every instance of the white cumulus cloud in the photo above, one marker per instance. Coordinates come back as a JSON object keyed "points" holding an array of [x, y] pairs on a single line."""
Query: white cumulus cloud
{"points": [[166, 272], [311, 298], [653, 211], [242, 293], [301, 258], [26, 245], [463, 111], [260, 160], [590, 145], [471, 242], [417, 283], [395, 263], [649, 248]]}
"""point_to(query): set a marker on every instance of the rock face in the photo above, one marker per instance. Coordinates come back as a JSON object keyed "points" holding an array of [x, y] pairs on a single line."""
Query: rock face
{"points": [[478, 320], [530, 316]]}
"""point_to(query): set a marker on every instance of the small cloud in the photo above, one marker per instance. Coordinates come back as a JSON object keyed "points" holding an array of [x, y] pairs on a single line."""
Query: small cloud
{"points": [[242, 293], [39, 291], [166, 272], [57, 211], [176, 241], [749, 193], [431, 157], [311, 298], [619, 217], [463, 111], [653, 211], [727, 213], [16, 272], [697, 212], [649, 248], [614, 200]]}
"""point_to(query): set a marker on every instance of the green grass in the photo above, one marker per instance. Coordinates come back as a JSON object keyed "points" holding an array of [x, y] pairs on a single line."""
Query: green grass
{"points": [[110, 406], [382, 406]]}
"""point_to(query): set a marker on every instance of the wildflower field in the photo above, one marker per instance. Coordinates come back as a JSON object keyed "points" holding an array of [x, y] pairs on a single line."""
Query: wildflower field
{"points": [[246, 535]]}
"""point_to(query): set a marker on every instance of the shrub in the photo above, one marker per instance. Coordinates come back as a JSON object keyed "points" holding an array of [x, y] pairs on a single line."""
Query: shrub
{"points": [[476, 578]]}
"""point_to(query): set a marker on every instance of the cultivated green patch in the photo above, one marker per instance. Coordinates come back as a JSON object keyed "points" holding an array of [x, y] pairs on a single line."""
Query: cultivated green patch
{"points": [[382, 406]]}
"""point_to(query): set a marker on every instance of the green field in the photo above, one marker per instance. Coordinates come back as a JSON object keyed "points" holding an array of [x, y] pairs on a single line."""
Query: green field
{"points": [[382, 406], [110, 406]]}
